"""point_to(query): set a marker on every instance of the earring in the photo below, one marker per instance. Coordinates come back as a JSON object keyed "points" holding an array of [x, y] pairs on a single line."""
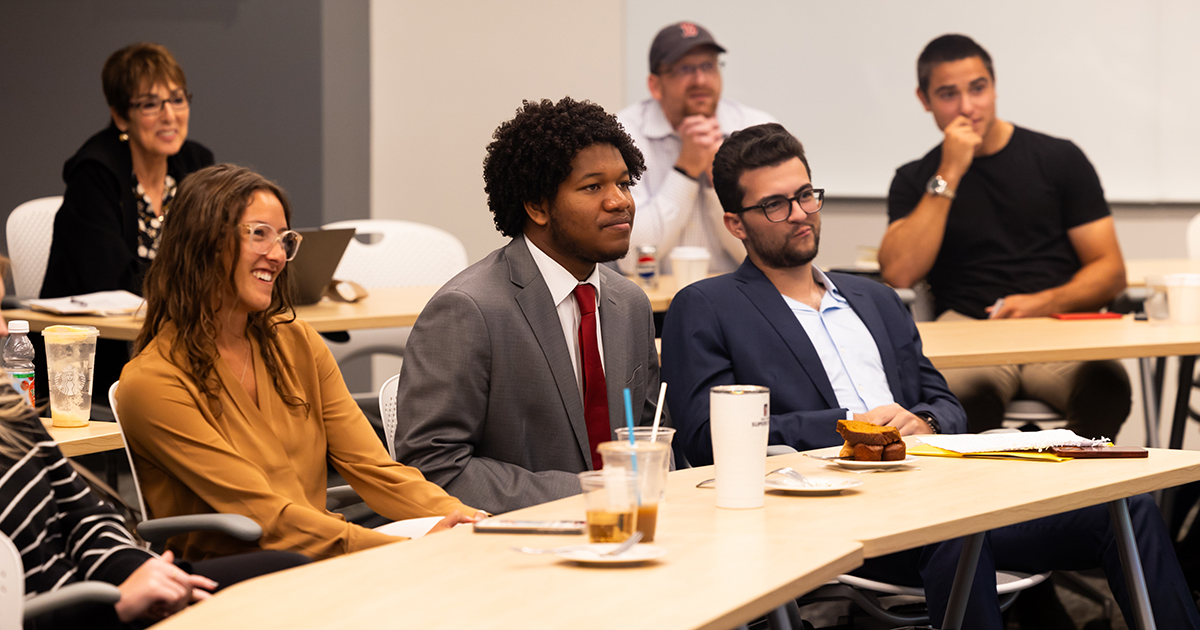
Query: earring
{"points": [[123, 137]]}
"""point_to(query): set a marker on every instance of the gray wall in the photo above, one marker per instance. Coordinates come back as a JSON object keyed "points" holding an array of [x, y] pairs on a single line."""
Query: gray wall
{"points": [[274, 82]]}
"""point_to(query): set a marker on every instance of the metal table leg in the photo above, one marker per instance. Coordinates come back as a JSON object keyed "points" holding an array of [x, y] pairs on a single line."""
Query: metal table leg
{"points": [[1183, 395], [956, 609], [1187, 365], [1151, 395], [1131, 562]]}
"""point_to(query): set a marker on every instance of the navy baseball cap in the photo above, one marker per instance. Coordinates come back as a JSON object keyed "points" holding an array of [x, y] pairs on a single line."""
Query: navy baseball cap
{"points": [[677, 40]]}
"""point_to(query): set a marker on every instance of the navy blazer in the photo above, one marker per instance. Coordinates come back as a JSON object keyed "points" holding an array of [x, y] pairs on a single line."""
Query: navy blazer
{"points": [[737, 329]]}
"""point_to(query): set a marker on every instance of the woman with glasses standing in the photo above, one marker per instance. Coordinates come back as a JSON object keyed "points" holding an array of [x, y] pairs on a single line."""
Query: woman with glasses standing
{"points": [[120, 185], [230, 404]]}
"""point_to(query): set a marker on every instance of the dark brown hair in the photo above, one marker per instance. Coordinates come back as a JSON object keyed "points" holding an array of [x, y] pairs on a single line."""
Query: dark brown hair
{"points": [[752, 148], [946, 48], [127, 69], [194, 271]]}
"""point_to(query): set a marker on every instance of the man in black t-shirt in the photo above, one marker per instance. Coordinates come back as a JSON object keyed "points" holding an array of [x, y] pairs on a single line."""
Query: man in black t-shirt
{"points": [[1005, 222]]}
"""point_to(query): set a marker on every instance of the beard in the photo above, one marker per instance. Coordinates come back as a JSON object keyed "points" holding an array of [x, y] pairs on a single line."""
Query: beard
{"points": [[568, 244], [780, 255]]}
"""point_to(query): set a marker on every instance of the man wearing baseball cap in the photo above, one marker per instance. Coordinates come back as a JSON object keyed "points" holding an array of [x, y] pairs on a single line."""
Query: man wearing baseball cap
{"points": [[679, 131]]}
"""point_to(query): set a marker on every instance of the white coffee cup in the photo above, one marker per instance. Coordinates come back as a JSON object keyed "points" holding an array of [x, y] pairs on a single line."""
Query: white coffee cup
{"points": [[1183, 298], [689, 264], [739, 416]]}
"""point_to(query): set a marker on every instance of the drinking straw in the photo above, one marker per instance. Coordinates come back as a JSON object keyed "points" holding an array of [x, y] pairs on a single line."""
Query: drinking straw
{"points": [[629, 420], [632, 443], [662, 393]]}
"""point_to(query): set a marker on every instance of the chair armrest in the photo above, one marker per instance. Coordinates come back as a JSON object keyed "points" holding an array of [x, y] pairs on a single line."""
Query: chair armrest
{"points": [[160, 529], [71, 595], [339, 497]]}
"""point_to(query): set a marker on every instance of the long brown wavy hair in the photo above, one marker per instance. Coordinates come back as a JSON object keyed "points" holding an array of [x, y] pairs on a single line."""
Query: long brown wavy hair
{"points": [[193, 274]]}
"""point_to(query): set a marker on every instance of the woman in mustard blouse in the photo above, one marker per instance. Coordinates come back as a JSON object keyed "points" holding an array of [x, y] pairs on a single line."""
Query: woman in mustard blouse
{"points": [[232, 405]]}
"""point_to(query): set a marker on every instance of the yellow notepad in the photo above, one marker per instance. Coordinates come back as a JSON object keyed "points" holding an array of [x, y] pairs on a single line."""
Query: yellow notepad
{"points": [[1037, 456]]}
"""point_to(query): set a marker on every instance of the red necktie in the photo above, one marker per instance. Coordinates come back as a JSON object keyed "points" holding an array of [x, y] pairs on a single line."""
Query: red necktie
{"points": [[595, 392]]}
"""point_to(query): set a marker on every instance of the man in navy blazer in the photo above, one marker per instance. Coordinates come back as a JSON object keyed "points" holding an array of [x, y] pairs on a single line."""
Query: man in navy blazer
{"points": [[738, 329], [831, 346]]}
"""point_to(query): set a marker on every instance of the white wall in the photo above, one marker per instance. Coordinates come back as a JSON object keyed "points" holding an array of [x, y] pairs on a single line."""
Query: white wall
{"points": [[444, 75], [1109, 74]]}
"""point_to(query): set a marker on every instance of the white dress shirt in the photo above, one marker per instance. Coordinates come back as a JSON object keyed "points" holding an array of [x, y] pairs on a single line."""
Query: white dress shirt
{"points": [[562, 285], [671, 208], [847, 350]]}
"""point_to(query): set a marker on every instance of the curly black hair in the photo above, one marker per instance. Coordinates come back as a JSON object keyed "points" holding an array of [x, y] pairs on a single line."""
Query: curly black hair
{"points": [[530, 155]]}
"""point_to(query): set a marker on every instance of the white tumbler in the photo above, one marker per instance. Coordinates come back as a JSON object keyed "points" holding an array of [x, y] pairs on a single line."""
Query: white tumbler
{"points": [[739, 416]]}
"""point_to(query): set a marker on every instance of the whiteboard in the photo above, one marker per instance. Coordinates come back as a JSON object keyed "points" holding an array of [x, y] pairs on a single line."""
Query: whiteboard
{"points": [[1119, 78]]}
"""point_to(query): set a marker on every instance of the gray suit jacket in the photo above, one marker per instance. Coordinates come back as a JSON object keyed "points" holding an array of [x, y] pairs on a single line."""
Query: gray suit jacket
{"points": [[489, 406]]}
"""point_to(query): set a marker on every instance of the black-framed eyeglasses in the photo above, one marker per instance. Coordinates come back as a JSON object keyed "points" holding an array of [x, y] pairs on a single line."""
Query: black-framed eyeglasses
{"points": [[778, 209], [263, 237], [152, 105], [707, 68]]}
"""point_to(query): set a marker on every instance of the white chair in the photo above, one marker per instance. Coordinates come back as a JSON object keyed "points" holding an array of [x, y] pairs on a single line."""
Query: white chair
{"points": [[1025, 411], [866, 594], [1193, 237], [399, 254], [387, 409], [30, 229], [15, 609]]}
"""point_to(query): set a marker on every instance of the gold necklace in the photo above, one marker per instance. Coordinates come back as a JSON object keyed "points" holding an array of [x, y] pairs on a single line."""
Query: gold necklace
{"points": [[246, 363]]}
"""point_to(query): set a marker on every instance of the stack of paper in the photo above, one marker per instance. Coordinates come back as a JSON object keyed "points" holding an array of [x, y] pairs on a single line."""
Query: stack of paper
{"points": [[101, 303], [1021, 441]]}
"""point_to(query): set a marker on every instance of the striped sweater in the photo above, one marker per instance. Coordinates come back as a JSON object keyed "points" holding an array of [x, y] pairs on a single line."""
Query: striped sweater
{"points": [[64, 531]]}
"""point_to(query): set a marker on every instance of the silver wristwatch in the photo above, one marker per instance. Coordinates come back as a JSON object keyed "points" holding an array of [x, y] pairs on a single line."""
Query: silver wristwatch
{"points": [[939, 188]]}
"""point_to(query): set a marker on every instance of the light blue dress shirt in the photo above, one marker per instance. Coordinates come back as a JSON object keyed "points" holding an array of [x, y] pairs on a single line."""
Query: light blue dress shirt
{"points": [[846, 348]]}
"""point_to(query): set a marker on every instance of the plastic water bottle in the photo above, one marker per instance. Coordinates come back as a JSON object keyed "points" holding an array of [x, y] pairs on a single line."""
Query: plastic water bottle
{"points": [[18, 358]]}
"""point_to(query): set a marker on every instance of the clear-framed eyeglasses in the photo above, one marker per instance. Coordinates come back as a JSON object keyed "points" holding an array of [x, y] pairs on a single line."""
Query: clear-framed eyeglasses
{"points": [[778, 209], [263, 237], [152, 105]]}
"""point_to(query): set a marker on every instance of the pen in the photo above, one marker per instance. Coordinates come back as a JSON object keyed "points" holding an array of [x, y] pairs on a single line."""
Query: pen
{"points": [[996, 308]]}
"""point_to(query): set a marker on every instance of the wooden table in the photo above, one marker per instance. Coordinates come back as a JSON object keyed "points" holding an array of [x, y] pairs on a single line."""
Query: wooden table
{"points": [[96, 437], [459, 579], [661, 294], [1136, 271], [383, 308], [723, 567], [1041, 339]]}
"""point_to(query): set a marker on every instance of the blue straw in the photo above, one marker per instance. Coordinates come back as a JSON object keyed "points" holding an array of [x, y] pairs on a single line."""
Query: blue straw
{"points": [[632, 442], [629, 419]]}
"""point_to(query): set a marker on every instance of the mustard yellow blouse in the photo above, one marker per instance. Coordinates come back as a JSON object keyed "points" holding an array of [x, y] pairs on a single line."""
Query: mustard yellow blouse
{"points": [[265, 461]]}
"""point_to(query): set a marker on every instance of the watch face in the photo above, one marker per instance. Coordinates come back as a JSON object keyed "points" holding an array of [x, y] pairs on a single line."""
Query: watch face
{"points": [[936, 185]]}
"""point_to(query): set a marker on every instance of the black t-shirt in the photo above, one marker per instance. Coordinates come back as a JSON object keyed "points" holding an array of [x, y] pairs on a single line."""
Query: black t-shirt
{"points": [[1007, 229]]}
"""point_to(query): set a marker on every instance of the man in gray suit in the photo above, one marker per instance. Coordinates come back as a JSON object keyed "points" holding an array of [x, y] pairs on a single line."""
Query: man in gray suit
{"points": [[508, 382]]}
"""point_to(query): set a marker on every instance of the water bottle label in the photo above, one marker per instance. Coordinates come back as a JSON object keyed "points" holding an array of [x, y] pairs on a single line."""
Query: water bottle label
{"points": [[23, 383]]}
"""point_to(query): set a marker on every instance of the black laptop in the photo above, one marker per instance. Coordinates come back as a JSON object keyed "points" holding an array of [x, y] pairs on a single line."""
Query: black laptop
{"points": [[312, 269]]}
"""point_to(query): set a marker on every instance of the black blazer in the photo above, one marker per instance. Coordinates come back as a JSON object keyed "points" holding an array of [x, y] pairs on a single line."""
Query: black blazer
{"points": [[96, 231], [736, 329]]}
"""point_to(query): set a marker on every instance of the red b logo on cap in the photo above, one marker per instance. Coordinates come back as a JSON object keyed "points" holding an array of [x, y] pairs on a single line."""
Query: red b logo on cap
{"points": [[688, 29]]}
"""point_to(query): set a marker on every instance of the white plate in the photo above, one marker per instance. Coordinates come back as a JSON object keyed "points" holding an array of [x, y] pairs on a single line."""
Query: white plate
{"points": [[817, 485], [593, 554], [852, 464]]}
